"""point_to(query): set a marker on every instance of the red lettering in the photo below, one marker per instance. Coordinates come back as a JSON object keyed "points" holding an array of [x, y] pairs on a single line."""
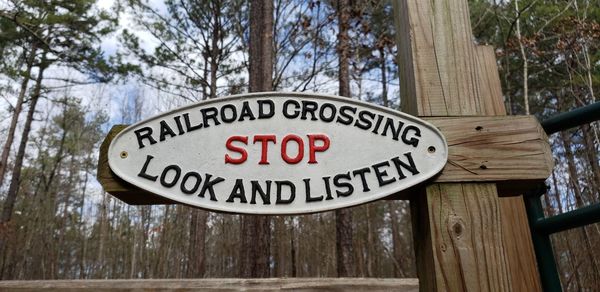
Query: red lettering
{"points": [[316, 143], [264, 140], [284, 154], [240, 150], [313, 148]]}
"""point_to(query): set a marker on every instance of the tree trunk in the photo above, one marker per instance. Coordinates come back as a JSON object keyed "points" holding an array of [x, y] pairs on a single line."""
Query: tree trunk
{"points": [[371, 253], [102, 237], [524, 57], [191, 267], [163, 247], [398, 245], [11, 196], [343, 217], [592, 155], [63, 222], [82, 228], [579, 201], [197, 257], [15, 118], [572, 169], [384, 94], [280, 249], [214, 48], [293, 250], [256, 230], [146, 216], [132, 262]]}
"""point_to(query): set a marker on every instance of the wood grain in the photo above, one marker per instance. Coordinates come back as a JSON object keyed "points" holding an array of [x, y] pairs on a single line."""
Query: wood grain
{"points": [[436, 58], [517, 242], [490, 88], [470, 254], [459, 228], [518, 245], [297, 284], [495, 148]]}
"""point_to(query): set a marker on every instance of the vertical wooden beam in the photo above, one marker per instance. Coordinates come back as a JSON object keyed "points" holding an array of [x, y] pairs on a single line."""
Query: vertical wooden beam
{"points": [[518, 245], [460, 239], [515, 226], [466, 236], [438, 68], [489, 82]]}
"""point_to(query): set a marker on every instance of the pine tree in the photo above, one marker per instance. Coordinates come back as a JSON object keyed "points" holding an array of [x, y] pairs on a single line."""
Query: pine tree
{"points": [[66, 33]]}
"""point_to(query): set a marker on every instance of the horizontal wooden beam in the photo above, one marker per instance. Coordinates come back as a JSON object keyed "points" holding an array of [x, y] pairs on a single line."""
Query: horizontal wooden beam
{"points": [[292, 284], [494, 148], [512, 151]]}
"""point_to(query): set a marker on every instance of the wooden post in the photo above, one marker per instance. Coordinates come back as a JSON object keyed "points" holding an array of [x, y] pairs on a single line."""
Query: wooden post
{"points": [[467, 238], [515, 226]]}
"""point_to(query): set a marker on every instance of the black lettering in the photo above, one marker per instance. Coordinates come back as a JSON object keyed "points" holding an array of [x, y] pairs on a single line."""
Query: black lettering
{"points": [[233, 111], [363, 122], [382, 174], [309, 107], [377, 124], [163, 176], [184, 180], [179, 125], [246, 112], [410, 166], [145, 168], [345, 118], [280, 185], [209, 113], [262, 114], [144, 133], [340, 184], [188, 124], [165, 130], [412, 141], [237, 192], [209, 185], [332, 112], [296, 109], [361, 172], [327, 188], [266, 196], [308, 197], [389, 125]]}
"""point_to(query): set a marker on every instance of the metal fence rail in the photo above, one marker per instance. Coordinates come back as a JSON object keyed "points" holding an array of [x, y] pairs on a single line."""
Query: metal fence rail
{"points": [[574, 118], [542, 227]]}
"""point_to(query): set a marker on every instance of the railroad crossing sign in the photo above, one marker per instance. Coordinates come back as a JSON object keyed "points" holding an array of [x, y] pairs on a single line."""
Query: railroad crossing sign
{"points": [[278, 153]]}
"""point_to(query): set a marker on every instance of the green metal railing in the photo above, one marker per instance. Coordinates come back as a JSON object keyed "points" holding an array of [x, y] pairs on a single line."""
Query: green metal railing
{"points": [[542, 227]]}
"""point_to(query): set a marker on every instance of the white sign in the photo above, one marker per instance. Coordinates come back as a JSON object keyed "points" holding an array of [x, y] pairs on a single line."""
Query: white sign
{"points": [[278, 153]]}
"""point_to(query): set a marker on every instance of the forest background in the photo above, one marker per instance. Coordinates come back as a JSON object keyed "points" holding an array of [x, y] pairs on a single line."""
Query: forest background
{"points": [[69, 70]]}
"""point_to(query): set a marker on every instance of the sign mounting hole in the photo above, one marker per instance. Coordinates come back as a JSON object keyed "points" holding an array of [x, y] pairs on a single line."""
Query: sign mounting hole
{"points": [[123, 154], [431, 149]]}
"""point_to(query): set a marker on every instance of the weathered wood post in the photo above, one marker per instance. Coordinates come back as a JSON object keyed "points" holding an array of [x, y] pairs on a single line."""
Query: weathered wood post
{"points": [[467, 238]]}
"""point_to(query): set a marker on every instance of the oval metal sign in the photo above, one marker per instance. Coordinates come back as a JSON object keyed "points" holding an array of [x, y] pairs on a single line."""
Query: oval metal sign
{"points": [[278, 153]]}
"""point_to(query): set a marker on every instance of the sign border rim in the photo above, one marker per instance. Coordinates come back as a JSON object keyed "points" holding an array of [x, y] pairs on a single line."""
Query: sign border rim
{"points": [[277, 94]]}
